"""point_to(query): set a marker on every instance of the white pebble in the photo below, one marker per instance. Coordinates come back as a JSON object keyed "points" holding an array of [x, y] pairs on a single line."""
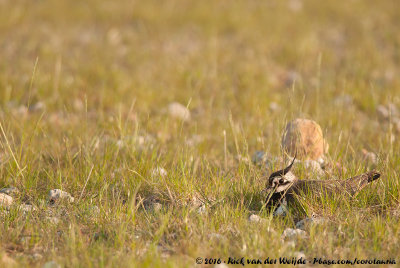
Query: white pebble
{"points": [[274, 107], [159, 172], [57, 194], [5, 200], [383, 112], [9, 191], [309, 221], [281, 210], [259, 157], [25, 208], [299, 255], [343, 100], [314, 167], [216, 237], [37, 107], [179, 111], [370, 157], [255, 218], [291, 234], [36, 256], [53, 220]]}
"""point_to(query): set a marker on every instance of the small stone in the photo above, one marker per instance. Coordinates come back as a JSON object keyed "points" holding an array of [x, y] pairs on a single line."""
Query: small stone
{"points": [[369, 157], [179, 111], [11, 191], [53, 220], [263, 159], [314, 167], [292, 234], [255, 218], [321, 161], [37, 256], [299, 254], [37, 107], [344, 100], [259, 158], [388, 113], [159, 172], [304, 137], [382, 112], [5, 200], [291, 77], [25, 208], [56, 195], [51, 264], [274, 107], [303, 224], [281, 210]]}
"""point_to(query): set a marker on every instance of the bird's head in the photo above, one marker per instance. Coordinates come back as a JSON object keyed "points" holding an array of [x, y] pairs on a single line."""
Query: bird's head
{"points": [[281, 180]]}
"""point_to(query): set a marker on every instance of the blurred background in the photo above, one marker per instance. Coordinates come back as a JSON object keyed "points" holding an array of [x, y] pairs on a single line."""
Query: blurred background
{"points": [[259, 63]]}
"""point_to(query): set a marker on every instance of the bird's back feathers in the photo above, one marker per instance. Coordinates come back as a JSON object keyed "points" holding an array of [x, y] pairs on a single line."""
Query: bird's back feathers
{"points": [[349, 187]]}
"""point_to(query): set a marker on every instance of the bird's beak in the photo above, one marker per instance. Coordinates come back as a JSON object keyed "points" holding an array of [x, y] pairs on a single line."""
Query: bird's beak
{"points": [[269, 190], [266, 190]]}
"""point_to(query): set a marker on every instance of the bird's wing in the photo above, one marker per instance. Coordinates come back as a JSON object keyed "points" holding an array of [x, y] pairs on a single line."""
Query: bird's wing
{"points": [[317, 186]]}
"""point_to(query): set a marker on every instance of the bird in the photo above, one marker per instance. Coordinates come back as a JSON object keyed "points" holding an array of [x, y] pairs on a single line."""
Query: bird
{"points": [[284, 187]]}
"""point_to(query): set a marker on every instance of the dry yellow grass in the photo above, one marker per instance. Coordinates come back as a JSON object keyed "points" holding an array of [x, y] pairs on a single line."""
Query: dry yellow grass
{"points": [[84, 91]]}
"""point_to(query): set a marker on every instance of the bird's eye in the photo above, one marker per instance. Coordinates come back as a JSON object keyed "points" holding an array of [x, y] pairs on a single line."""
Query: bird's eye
{"points": [[281, 181]]}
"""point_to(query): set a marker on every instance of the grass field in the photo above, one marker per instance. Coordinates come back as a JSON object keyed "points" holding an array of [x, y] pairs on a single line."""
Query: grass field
{"points": [[84, 94]]}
